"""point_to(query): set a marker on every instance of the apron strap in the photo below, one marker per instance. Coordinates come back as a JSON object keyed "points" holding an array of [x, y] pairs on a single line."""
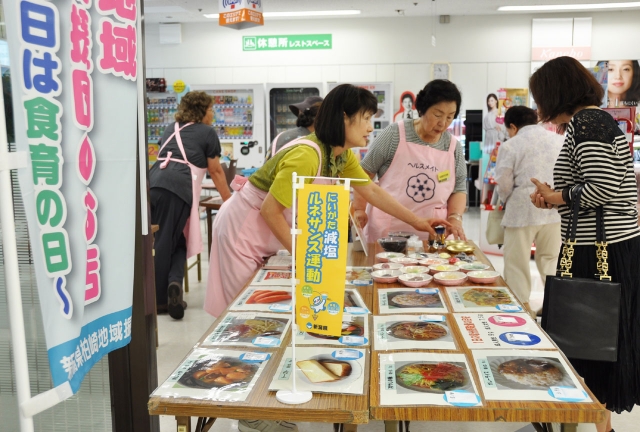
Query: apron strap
{"points": [[273, 145], [453, 145], [168, 158], [403, 132], [310, 144]]}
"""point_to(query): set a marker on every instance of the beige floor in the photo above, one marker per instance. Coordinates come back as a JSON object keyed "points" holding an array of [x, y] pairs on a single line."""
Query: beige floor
{"points": [[177, 337]]}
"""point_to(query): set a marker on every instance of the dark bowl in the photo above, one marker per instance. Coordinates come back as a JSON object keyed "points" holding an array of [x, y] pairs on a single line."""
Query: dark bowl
{"points": [[403, 234], [393, 244]]}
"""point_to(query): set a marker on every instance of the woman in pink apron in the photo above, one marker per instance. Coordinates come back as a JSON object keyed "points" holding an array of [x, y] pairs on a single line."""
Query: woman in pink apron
{"points": [[189, 147], [420, 164]]}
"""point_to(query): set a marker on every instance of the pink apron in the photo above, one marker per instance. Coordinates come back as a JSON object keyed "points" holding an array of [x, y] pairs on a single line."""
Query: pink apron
{"points": [[192, 228], [412, 179], [241, 240]]}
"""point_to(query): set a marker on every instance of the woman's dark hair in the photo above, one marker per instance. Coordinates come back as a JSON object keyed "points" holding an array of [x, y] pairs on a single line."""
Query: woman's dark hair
{"points": [[435, 92], [520, 116], [492, 95], [563, 85], [407, 95], [344, 99], [193, 107], [307, 116], [633, 94]]}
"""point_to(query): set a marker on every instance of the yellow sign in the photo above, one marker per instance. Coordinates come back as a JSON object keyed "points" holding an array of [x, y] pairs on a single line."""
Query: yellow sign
{"points": [[443, 176], [179, 86], [321, 258]]}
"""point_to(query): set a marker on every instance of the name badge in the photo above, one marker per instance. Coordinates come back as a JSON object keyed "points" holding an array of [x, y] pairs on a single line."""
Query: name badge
{"points": [[443, 176]]}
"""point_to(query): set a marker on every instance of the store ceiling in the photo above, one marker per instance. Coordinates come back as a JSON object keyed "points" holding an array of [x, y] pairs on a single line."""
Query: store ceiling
{"points": [[193, 10]]}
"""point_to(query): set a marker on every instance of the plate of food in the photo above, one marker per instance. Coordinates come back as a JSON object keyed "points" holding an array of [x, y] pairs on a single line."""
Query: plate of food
{"points": [[413, 299], [269, 296], [349, 328], [434, 377], [487, 297], [359, 276], [326, 371], [247, 330], [386, 256], [418, 331], [228, 372], [529, 373]]}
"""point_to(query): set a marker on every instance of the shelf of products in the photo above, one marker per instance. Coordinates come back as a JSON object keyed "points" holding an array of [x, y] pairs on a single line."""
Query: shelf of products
{"points": [[233, 115], [161, 109]]}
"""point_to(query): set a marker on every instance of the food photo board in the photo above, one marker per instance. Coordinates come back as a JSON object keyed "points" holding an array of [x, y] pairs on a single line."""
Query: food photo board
{"points": [[262, 298], [416, 378], [396, 332], [272, 277], [355, 332], [527, 375], [257, 329], [501, 330], [483, 299], [410, 300], [322, 370], [359, 276], [215, 374]]}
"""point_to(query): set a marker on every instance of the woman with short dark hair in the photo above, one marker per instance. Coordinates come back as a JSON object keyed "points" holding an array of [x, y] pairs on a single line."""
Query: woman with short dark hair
{"points": [[421, 164], [596, 156]]}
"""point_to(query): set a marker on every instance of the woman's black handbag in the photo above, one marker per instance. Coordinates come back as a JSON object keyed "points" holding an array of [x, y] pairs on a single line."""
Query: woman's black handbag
{"points": [[582, 315]]}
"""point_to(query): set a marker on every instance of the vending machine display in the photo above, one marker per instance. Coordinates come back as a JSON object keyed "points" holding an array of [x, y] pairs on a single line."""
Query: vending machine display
{"points": [[161, 109], [280, 96]]}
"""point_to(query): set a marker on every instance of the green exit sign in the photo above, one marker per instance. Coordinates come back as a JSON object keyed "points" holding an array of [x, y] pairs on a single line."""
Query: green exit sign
{"points": [[287, 42]]}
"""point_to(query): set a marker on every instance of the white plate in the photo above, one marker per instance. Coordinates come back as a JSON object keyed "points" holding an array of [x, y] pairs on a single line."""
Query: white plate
{"points": [[495, 362]]}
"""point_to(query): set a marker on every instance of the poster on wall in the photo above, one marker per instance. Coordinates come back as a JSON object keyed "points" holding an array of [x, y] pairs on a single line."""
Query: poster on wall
{"points": [[622, 86], [74, 69], [407, 107]]}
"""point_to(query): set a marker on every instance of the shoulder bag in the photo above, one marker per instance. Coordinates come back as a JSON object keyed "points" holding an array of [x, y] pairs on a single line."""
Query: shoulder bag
{"points": [[495, 231], [582, 315]]}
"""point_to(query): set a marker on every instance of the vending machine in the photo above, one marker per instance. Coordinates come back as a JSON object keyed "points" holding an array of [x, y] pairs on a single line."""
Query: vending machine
{"points": [[238, 118], [161, 109], [279, 97]]}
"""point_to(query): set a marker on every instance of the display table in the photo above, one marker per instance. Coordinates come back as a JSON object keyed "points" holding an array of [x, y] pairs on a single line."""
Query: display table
{"points": [[352, 410]]}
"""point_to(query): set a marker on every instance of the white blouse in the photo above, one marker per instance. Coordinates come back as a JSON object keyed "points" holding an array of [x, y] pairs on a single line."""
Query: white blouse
{"points": [[532, 153]]}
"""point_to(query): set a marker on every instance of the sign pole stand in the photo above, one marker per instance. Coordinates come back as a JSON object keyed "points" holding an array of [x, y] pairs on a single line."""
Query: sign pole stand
{"points": [[293, 396]]}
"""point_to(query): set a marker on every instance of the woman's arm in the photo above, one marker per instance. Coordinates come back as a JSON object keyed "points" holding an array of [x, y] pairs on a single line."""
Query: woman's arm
{"points": [[273, 213], [219, 179], [360, 205], [456, 205]]}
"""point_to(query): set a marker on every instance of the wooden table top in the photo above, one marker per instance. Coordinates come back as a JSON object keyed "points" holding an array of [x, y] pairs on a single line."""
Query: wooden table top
{"points": [[357, 409]]}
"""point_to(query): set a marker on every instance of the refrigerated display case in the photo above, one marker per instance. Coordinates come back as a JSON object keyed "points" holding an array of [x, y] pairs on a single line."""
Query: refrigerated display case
{"points": [[279, 97], [161, 109], [238, 118]]}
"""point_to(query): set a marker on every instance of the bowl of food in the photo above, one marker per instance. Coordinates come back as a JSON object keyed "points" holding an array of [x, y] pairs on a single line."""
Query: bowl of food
{"points": [[388, 266], [483, 276], [393, 244], [433, 377], [386, 256], [469, 267], [415, 269], [432, 262], [419, 255], [402, 234], [415, 280], [460, 247], [434, 269], [404, 261], [386, 276], [453, 278]]}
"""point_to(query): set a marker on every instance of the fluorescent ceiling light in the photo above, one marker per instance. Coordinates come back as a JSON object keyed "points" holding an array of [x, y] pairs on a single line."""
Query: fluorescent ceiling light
{"points": [[576, 7], [300, 13]]}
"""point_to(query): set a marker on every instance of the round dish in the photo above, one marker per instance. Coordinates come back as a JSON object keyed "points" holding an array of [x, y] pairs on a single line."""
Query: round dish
{"points": [[436, 377], [386, 276], [483, 276], [457, 248], [415, 280], [450, 278], [434, 269], [419, 255], [404, 261], [386, 256], [393, 244], [412, 299], [414, 269], [388, 266], [417, 331], [402, 234], [432, 261], [469, 267], [528, 379]]}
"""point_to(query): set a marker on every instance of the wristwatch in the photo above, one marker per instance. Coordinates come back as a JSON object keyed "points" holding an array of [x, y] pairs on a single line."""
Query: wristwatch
{"points": [[456, 216]]}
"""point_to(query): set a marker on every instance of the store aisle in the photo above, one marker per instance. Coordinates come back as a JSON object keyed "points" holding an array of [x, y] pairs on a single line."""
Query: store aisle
{"points": [[177, 337]]}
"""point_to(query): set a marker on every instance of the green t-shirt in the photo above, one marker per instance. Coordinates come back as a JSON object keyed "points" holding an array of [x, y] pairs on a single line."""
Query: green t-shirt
{"points": [[275, 175]]}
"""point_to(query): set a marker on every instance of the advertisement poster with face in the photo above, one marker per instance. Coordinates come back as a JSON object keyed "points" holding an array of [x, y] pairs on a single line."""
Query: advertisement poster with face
{"points": [[407, 107], [622, 86]]}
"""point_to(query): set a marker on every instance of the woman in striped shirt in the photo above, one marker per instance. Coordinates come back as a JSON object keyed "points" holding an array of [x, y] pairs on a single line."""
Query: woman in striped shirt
{"points": [[596, 155]]}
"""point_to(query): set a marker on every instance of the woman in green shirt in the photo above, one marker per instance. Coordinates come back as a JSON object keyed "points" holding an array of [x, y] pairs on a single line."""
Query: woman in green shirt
{"points": [[255, 223]]}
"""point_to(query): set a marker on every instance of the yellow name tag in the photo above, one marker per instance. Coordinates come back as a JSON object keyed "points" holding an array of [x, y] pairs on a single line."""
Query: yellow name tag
{"points": [[443, 176]]}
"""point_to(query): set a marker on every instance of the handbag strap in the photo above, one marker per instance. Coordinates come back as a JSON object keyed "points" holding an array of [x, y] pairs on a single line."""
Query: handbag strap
{"points": [[601, 246]]}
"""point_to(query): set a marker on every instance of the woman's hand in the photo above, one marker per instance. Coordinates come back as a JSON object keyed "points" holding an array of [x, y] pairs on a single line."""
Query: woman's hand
{"points": [[424, 224], [456, 229], [361, 218], [544, 196]]}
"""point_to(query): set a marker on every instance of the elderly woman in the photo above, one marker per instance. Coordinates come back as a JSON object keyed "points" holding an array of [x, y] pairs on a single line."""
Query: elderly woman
{"points": [[420, 164], [188, 148]]}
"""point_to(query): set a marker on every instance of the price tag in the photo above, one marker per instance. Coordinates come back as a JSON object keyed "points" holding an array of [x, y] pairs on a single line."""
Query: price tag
{"points": [[568, 394], [509, 308], [356, 310], [427, 290], [278, 307], [346, 354], [362, 282], [266, 341], [353, 340], [515, 337], [253, 357], [505, 320], [461, 398], [432, 318]]}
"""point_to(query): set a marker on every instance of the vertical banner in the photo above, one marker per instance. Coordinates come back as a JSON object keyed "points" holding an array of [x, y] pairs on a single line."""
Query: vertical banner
{"points": [[321, 258], [73, 73]]}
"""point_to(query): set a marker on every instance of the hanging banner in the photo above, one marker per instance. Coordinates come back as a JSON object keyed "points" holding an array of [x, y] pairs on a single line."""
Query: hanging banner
{"points": [[321, 258], [74, 70], [240, 14]]}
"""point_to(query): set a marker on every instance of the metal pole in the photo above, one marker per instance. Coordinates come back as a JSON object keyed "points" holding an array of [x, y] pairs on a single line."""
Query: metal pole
{"points": [[294, 326], [12, 277]]}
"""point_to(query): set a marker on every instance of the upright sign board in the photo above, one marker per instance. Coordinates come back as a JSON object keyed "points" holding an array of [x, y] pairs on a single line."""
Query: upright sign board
{"points": [[74, 71], [240, 14]]}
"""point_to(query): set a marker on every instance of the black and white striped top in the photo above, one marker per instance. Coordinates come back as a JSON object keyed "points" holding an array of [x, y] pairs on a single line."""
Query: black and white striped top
{"points": [[596, 153]]}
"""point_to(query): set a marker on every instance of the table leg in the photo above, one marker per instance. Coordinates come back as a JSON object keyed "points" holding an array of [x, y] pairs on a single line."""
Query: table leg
{"points": [[569, 427], [199, 268], [390, 426], [184, 424], [209, 223]]}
